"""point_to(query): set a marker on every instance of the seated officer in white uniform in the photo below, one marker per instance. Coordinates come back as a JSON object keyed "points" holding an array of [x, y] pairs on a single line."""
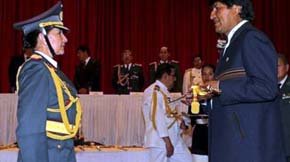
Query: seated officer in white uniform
{"points": [[162, 135], [48, 111]]}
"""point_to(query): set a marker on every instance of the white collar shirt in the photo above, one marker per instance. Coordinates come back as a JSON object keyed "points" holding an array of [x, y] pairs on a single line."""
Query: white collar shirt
{"points": [[232, 32], [48, 58], [162, 62], [87, 60], [128, 66], [283, 81]]}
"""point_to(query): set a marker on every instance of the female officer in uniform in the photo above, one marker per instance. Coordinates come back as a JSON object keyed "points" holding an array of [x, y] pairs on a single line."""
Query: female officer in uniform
{"points": [[48, 110]]}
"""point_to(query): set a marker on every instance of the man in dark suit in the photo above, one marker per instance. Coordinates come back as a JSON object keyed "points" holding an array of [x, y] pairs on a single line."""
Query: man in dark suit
{"points": [[87, 74], [284, 85], [48, 109], [127, 77], [245, 121], [164, 58]]}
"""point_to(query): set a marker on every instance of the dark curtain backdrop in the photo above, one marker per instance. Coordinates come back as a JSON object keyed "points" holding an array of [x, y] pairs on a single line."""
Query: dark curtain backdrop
{"points": [[109, 26]]}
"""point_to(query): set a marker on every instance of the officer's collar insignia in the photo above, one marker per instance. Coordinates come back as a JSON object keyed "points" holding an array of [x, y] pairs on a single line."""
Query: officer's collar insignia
{"points": [[137, 64]]}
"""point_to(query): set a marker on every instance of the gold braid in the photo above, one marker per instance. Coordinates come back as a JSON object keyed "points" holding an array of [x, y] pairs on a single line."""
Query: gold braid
{"points": [[72, 130], [169, 112], [62, 108]]}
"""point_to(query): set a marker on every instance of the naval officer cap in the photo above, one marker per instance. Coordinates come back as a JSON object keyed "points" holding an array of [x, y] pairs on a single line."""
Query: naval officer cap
{"points": [[50, 18]]}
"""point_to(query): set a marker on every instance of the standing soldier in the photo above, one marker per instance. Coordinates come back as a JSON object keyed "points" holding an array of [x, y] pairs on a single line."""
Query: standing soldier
{"points": [[48, 109], [127, 77], [164, 58], [192, 76], [284, 86], [162, 120]]}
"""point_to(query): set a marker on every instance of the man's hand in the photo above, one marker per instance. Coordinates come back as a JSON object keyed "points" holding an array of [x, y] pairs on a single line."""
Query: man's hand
{"points": [[214, 84], [169, 146], [188, 98], [204, 97]]}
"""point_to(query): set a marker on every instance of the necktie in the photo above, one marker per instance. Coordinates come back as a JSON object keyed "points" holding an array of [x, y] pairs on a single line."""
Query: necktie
{"points": [[126, 68]]}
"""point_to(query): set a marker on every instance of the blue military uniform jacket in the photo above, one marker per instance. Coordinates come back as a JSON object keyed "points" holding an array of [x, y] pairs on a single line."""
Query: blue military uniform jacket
{"points": [[37, 93], [245, 119]]}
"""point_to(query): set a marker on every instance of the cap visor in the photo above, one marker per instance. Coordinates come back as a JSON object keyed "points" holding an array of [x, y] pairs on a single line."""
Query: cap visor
{"points": [[61, 27]]}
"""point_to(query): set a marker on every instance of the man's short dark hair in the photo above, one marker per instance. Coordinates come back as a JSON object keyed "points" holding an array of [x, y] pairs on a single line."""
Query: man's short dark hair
{"points": [[283, 58], [247, 12], [162, 69], [84, 48]]}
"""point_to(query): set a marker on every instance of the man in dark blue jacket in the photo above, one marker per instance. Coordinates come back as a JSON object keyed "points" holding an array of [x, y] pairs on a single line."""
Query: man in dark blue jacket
{"points": [[245, 121]]}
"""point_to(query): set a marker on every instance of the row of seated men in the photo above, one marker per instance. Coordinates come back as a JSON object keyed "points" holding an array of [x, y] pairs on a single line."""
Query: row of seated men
{"points": [[127, 77]]}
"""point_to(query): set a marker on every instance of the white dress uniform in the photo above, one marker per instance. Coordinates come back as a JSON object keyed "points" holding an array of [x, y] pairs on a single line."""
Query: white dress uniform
{"points": [[191, 76], [162, 126]]}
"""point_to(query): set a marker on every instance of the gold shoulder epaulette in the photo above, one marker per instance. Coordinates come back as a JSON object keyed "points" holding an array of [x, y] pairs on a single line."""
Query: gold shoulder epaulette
{"points": [[138, 64], [188, 70], [116, 65], [152, 63], [174, 61], [156, 88], [35, 57]]}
